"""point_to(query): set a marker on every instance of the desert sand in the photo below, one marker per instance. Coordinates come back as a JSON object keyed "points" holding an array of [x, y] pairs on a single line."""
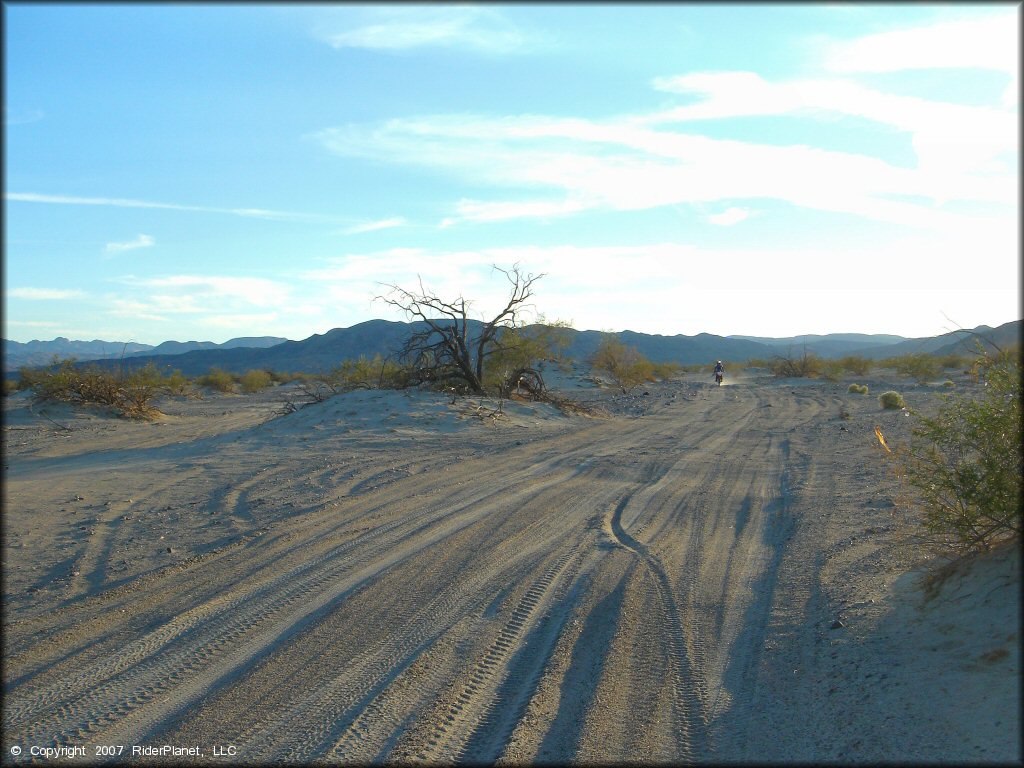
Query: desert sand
{"points": [[696, 573]]}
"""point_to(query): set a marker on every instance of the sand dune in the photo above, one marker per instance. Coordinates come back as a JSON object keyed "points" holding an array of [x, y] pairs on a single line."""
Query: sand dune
{"points": [[700, 574]]}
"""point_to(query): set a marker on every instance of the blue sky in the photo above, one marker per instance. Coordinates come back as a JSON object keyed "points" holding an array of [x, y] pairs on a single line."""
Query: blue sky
{"points": [[201, 172]]}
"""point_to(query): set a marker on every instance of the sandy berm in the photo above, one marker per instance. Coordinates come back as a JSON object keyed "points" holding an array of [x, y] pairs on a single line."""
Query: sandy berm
{"points": [[694, 574]]}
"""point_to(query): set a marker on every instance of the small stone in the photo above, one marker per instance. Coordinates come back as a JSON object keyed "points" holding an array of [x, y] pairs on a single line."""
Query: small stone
{"points": [[837, 624], [170, 550], [79, 498]]}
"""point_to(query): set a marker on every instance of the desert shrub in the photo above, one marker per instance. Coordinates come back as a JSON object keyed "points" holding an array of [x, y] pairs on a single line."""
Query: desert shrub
{"points": [[921, 366], [29, 377], [664, 371], [952, 360], [859, 389], [626, 366], [217, 379], [891, 400], [284, 377], [756, 362], [807, 365], [176, 383], [831, 370], [254, 381], [370, 373], [855, 364], [948, 383], [10, 386], [129, 393], [965, 463]]}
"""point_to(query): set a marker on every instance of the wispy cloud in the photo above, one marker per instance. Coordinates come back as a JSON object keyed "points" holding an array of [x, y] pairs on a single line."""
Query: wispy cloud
{"points": [[118, 202], [142, 241], [729, 217], [159, 298], [250, 290], [44, 294], [965, 154], [613, 286], [373, 226], [991, 42], [482, 30]]}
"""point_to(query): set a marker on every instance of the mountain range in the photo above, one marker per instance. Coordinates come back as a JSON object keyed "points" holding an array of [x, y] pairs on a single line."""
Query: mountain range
{"points": [[322, 352]]}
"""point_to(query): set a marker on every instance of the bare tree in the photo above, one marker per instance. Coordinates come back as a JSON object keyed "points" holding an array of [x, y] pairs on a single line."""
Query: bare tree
{"points": [[452, 348]]}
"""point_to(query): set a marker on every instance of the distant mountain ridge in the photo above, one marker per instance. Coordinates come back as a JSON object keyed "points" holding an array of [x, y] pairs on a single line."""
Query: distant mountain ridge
{"points": [[34, 353], [322, 352]]}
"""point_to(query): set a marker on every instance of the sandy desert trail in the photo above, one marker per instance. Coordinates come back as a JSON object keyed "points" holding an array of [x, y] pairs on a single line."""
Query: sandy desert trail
{"points": [[594, 590]]}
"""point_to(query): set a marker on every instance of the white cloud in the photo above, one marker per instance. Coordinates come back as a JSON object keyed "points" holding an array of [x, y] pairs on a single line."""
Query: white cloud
{"points": [[192, 288], [373, 226], [118, 202], [44, 294], [990, 42], [142, 241], [652, 288], [623, 165], [729, 217], [474, 28]]}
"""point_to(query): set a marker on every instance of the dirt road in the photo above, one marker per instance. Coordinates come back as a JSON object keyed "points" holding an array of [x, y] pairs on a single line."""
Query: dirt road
{"points": [[649, 586]]}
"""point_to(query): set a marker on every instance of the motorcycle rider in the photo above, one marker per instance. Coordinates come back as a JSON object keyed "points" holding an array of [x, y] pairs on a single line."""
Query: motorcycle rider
{"points": [[719, 371]]}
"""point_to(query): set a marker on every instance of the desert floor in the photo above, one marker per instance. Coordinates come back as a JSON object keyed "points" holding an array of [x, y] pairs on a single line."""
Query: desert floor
{"points": [[698, 574]]}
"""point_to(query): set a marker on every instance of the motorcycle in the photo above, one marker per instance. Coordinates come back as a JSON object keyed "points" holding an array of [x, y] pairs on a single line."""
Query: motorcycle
{"points": [[718, 378]]}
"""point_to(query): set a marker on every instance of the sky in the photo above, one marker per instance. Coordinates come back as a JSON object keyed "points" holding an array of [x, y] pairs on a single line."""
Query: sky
{"points": [[204, 172]]}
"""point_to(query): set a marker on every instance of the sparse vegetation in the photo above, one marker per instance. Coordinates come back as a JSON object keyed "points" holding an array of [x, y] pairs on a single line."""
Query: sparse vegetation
{"points": [[965, 463], [859, 389], [624, 364], [446, 352], [130, 394], [217, 379], [807, 365], [858, 366], [253, 381], [920, 366], [892, 400]]}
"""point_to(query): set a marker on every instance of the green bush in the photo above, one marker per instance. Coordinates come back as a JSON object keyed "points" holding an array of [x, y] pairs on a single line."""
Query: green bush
{"points": [[254, 381], [626, 366], [176, 383], [129, 393], [858, 366], [922, 367], [859, 389], [832, 370], [217, 379], [891, 399], [808, 365], [948, 383], [952, 360], [965, 463]]}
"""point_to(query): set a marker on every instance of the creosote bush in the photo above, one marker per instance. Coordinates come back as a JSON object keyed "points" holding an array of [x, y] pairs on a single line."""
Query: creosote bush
{"points": [[253, 381], [217, 379], [920, 366], [626, 366], [858, 366], [891, 400], [965, 463], [130, 393], [807, 365]]}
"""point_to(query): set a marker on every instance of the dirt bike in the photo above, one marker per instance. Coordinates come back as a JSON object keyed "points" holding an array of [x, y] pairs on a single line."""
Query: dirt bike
{"points": [[718, 378]]}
